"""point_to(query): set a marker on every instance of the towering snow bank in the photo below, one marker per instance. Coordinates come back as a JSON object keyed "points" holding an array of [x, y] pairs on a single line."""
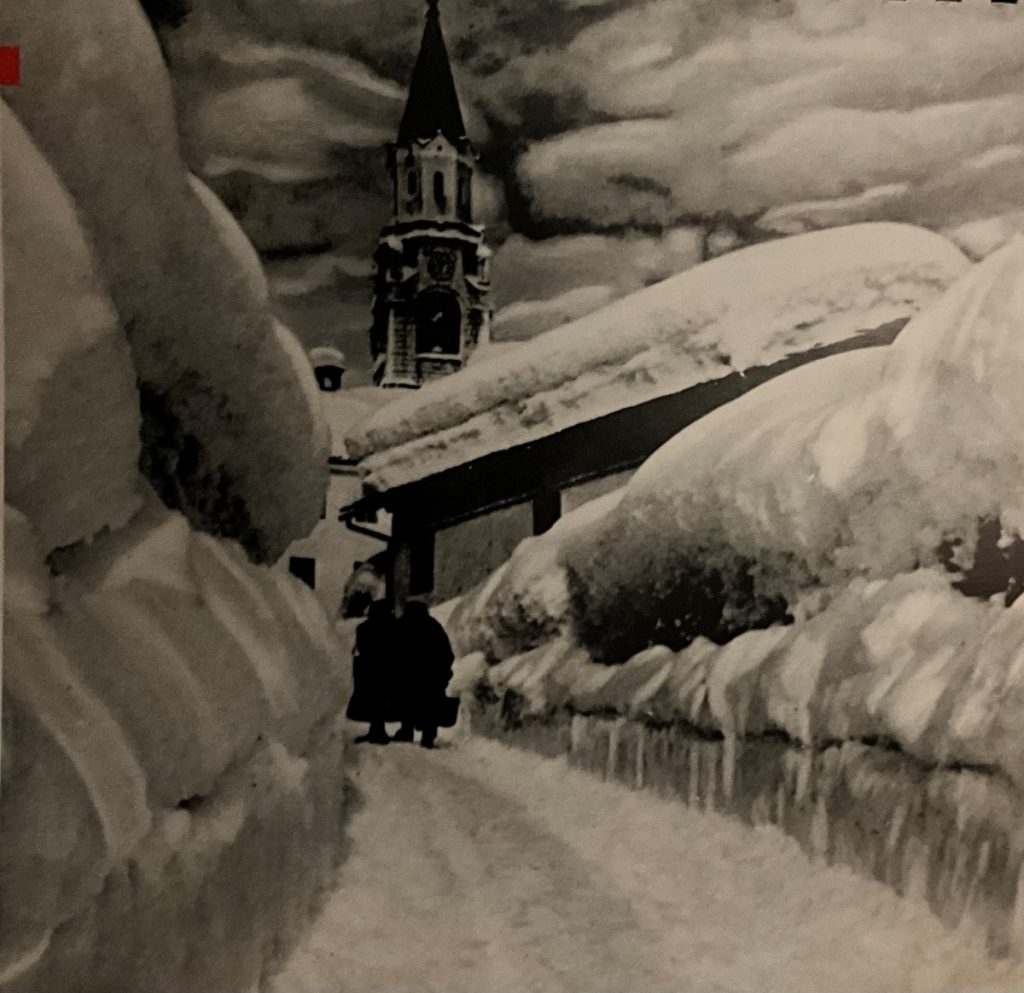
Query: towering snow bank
{"points": [[172, 780], [72, 432], [862, 464], [647, 591], [227, 435], [746, 309], [171, 756]]}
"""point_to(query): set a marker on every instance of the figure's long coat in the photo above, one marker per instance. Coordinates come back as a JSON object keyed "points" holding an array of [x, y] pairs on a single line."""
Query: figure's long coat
{"points": [[375, 665], [425, 667]]}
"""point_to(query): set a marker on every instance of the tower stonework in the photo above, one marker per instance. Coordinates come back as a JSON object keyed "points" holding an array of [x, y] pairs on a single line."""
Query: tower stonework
{"points": [[432, 281]]}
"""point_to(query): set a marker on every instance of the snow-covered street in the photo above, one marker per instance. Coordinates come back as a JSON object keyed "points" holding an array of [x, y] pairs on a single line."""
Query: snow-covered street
{"points": [[477, 867]]}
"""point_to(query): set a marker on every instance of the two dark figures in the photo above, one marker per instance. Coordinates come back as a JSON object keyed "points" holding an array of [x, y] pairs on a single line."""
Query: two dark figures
{"points": [[401, 667]]}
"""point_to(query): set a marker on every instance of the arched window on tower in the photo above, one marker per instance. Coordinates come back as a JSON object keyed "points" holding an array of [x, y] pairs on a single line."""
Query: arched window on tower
{"points": [[438, 324], [465, 198], [440, 196], [412, 184]]}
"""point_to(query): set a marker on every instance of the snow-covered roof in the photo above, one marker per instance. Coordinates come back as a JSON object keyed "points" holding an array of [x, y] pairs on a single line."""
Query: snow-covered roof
{"points": [[490, 350], [746, 309], [327, 355]]}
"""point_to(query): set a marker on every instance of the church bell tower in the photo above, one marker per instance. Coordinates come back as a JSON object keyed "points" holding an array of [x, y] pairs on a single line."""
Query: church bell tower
{"points": [[432, 281]]}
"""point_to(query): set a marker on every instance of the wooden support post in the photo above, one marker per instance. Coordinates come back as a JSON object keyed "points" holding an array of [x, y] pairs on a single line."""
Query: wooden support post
{"points": [[411, 569], [547, 508]]}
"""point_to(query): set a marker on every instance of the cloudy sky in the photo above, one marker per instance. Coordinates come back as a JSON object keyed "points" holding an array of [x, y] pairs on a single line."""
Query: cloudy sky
{"points": [[615, 135]]}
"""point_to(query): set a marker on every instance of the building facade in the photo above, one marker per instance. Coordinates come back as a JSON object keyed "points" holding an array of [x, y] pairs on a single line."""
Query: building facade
{"points": [[432, 281], [340, 563]]}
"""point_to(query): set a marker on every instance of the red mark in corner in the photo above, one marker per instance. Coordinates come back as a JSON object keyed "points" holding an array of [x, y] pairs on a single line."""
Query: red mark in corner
{"points": [[10, 65]]}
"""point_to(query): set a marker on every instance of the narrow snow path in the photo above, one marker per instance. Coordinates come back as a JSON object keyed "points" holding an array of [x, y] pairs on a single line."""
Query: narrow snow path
{"points": [[483, 869]]}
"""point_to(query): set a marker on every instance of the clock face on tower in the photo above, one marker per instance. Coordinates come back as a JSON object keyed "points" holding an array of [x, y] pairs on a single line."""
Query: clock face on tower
{"points": [[441, 265]]}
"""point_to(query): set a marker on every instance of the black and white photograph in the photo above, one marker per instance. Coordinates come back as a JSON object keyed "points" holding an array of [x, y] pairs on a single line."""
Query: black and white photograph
{"points": [[512, 496]]}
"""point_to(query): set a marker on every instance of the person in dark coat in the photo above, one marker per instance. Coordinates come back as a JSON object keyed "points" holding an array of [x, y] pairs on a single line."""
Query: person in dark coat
{"points": [[425, 667], [374, 665]]}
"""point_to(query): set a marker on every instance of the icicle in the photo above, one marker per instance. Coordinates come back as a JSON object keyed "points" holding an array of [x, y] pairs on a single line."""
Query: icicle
{"points": [[915, 873], [955, 896], [640, 741], [975, 880], [729, 765], [577, 733], [820, 828], [709, 775], [804, 761], [694, 792], [1017, 920], [613, 749]]}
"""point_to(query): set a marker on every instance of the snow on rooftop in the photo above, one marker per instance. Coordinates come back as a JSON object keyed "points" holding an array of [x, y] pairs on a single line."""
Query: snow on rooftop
{"points": [[490, 351], [327, 355], [857, 466], [749, 308]]}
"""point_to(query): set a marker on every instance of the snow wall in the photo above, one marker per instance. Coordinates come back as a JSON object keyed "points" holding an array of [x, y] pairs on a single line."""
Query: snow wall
{"points": [[172, 778], [231, 432], [172, 762], [804, 610]]}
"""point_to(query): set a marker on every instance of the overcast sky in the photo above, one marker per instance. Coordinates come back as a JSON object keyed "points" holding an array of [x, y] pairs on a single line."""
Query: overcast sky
{"points": [[608, 126]]}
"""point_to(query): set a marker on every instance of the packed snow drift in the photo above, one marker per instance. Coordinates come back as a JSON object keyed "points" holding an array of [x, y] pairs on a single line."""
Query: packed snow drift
{"points": [[868, 464], [800, 560], [747, 309], [172, 782], [71, 444], [226, 435], [171, 755]]}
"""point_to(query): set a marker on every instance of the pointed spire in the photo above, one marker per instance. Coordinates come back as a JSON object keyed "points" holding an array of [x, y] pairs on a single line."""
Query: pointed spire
{"points": [[433, 104]]}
